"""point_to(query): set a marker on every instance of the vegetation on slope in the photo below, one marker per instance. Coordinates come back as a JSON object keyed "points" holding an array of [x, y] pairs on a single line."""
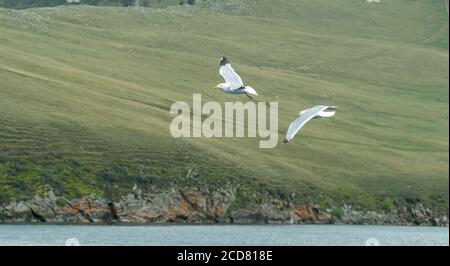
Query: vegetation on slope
{"points": [[21, 4], [85, 94]]}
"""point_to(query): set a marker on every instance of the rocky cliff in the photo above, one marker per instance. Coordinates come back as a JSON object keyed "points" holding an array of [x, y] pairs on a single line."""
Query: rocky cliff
{"points": [[193, 205]]}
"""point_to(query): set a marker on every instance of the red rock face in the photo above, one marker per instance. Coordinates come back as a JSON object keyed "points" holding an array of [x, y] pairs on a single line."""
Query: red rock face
{"points": [[194, 206], [190, 205], [306, 213]]}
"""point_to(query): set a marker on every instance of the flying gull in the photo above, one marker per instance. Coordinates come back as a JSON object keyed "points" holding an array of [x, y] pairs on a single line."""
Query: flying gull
{"points": [[305, 116], [233, 82]]}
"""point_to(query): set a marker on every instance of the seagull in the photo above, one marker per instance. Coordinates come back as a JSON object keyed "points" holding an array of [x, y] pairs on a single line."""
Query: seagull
{"points": [[305, 116], [233, 82]]}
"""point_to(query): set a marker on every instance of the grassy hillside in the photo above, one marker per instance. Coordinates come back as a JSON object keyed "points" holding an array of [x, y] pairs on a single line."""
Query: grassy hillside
{"points": [[21, 4], [85, 94]]}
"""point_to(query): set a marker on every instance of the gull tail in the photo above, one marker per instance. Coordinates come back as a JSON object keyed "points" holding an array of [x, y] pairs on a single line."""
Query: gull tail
{"points": [[250, 90]]}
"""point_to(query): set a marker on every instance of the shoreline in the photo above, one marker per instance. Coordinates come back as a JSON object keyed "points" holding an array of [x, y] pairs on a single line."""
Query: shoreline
{"points": [[225, 206], [210, 225]]}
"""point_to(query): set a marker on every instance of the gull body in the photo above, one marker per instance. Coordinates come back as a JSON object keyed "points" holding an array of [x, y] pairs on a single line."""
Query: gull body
{"points": [[305, 116], [233, 82]]}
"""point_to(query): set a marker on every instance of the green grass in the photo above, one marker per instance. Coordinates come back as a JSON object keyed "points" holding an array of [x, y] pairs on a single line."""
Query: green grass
{"points": [[23, 4], [95, 84]]}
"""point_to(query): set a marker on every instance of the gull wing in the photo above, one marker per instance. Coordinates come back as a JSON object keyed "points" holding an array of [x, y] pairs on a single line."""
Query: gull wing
{"points": [[304, 117], [228, 73]]}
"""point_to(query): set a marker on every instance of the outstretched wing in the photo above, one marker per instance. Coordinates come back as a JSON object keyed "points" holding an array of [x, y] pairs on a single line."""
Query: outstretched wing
{"points": [[228, 73], [305, 117]]}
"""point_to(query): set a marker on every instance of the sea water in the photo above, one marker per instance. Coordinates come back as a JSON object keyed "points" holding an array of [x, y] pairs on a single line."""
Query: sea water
{"points": [[228, 235]]}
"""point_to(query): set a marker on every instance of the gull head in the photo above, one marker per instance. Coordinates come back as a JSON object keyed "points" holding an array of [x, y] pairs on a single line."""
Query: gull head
{"points": [[222, 86]]}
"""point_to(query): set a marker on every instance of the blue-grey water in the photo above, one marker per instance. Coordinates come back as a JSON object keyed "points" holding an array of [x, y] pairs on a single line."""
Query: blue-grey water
{"points": [[192, 235]]}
